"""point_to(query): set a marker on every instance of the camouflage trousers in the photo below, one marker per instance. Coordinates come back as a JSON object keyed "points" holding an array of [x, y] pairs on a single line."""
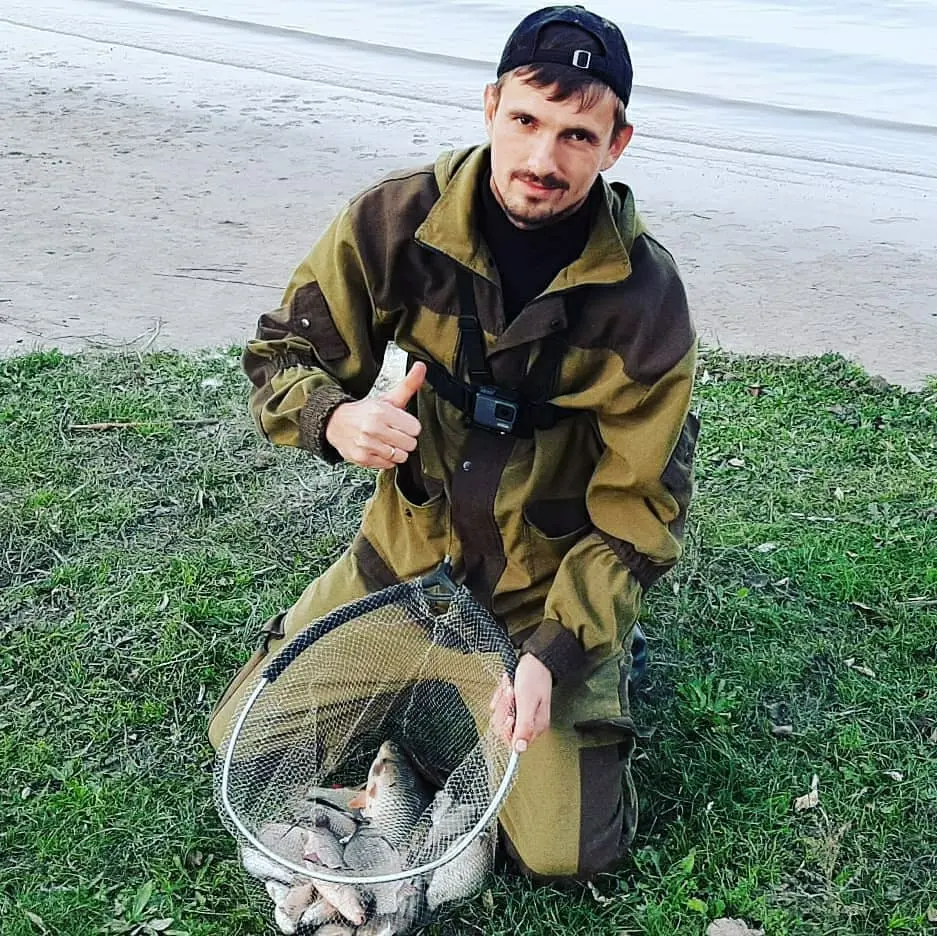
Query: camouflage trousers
{"points": [[573, 809]]}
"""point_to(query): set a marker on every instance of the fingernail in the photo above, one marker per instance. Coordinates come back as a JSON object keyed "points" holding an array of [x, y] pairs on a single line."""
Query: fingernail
{"points": [[520, 746]]}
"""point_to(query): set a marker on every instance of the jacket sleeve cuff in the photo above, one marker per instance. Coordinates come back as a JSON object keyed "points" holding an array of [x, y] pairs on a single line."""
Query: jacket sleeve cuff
{"points": [[557, 649], [315, 416]]}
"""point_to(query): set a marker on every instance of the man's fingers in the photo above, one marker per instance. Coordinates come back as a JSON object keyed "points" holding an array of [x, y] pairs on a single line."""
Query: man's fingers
{"points": [[502, 710], [401, 395], [399, 440], [400, 420], [370, 460], [524, 727], [384, 421], [504, 689], [388, 445], [496, 696]]}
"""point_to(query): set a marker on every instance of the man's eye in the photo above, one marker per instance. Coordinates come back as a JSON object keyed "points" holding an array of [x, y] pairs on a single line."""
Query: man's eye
{"points": [[524, 120]]}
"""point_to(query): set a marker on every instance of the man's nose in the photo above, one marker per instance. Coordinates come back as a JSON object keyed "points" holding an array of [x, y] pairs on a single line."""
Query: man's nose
{"points": [[541, 160]]}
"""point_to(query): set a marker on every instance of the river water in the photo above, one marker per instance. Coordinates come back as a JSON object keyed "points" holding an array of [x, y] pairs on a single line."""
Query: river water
{"points": [[864, 58], [850, 84]]}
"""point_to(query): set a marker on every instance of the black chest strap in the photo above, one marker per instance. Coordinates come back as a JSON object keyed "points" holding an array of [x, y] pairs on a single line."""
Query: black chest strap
{"points": [[512, 412], [471, 338]]}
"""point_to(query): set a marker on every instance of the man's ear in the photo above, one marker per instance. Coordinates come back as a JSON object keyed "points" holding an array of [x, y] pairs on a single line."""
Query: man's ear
{"points": [[621, 140], [492, 96]]}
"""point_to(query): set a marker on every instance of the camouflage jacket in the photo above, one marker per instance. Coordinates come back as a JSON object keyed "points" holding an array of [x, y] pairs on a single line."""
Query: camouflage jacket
{"points": [[545, 530]]}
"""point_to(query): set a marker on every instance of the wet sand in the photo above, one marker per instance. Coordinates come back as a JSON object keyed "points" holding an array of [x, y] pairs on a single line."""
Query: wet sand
{"points": [[163, 201]]}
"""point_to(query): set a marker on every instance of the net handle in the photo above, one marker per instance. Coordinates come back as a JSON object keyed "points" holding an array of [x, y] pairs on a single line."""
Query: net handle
{"points": [[403, 592], [324, 874]]}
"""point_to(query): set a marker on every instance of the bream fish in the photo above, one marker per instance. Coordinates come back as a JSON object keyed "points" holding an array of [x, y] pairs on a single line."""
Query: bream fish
{"points": [[395, 795]]}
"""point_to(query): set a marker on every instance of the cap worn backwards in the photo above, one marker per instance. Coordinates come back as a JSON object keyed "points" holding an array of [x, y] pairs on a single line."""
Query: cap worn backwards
{"points": [[612, 65]]}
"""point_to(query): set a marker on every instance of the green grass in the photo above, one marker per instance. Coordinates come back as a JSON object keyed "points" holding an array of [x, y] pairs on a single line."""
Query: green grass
{"points": [[136, 565]]}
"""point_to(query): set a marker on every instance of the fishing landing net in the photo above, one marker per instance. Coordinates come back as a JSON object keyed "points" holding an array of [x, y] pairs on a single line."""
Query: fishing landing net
{"points": [[361, 775]]}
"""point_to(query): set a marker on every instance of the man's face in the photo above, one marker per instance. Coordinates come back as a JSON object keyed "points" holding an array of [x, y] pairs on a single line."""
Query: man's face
{"points": [[545, 155]]}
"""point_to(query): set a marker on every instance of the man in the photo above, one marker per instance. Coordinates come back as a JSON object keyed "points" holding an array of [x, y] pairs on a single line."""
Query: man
{"points": [[541, 434]]}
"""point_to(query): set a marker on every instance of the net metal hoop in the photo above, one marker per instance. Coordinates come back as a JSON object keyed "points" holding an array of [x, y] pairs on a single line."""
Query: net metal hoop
{"points": [[454, 850], [309, 871]]}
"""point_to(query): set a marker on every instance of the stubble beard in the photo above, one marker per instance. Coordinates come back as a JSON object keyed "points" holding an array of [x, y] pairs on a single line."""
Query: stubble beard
{"points": [[538, 216], [527, 213]]}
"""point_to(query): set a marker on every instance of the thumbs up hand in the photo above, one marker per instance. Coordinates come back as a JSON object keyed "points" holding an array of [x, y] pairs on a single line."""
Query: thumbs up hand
{"points": [[378, 432]]}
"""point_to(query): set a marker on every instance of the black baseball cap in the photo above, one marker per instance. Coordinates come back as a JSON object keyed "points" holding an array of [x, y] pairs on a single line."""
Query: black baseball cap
{"points": [[612, 65]]}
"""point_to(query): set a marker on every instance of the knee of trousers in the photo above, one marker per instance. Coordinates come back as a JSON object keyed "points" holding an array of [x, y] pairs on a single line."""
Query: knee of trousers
{"points": [[542, 860], [559, 832]]}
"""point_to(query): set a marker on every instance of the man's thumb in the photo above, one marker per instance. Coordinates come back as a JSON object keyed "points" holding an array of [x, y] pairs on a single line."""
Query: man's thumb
{"points": [[401, 395], [523, 731]]}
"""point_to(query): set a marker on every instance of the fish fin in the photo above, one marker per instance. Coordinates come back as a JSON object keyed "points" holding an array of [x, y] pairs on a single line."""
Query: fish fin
{"points": [[284, 923], [359, 801]]}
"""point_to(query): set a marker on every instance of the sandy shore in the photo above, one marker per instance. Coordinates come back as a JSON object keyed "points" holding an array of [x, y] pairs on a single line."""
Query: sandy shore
{"points": [[156, 199]]}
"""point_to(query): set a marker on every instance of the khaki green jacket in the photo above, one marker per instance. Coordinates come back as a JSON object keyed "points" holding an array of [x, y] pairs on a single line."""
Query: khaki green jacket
{"points": [[550, 532]]}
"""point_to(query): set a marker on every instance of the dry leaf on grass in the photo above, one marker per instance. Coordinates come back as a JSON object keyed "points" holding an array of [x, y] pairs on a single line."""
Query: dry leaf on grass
{"points": [[726, 927], [809, 800], [862, 670], [597, 896]]}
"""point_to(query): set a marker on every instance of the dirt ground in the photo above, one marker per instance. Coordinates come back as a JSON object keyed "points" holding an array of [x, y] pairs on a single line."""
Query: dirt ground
{"points": [[163, 202]]}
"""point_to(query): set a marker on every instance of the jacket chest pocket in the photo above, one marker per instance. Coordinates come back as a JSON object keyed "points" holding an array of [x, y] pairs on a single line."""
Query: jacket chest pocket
{"points": [[551, 529]]}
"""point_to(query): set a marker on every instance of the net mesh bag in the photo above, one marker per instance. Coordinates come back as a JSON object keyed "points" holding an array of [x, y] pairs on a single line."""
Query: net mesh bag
{"points": [[361, 775]]}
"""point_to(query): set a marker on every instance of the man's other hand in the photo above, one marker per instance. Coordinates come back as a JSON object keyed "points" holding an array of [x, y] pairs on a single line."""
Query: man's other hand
{"points": [[521, 713], [378, 432]]}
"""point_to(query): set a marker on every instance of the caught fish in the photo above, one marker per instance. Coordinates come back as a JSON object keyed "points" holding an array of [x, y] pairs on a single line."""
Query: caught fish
{"points": [[334, 929], [298, 906], [377, 926], [261, 867], [286, 841], [449, 821], [339, 797], [397, 906], [343, 897], [323, 848], [292, 905], [340, 823], [324, 806], [465, 875], [395, 795], [367, 852], [293, 843], [317, 913], [277, 891], [411, 906]]}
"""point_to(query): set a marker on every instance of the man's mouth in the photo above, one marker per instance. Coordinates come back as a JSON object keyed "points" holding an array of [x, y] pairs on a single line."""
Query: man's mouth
{"points": [[541, 186]]}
